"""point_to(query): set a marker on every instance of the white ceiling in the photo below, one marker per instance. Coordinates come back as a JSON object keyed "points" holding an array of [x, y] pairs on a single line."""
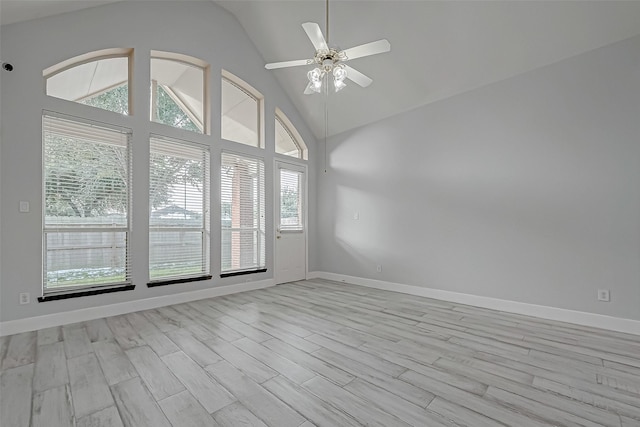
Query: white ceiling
{"points": [[438, 48], [23, 10]]}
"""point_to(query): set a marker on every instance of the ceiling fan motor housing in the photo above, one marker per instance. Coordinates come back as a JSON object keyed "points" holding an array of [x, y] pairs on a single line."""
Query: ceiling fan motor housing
{"points": [[327, 64], [327, 59]]}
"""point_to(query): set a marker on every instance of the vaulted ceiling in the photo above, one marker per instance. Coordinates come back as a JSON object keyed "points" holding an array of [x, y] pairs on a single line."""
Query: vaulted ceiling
{"points": [[438, 48]]}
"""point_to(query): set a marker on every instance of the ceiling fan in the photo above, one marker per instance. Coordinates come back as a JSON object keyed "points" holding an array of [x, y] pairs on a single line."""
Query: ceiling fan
{"points": [[331, 60]]}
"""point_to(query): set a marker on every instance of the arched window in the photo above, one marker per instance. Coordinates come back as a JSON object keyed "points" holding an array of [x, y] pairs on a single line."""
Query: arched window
{"points": [[242, 112], [178, 93], [99, 79], [288, 140]]}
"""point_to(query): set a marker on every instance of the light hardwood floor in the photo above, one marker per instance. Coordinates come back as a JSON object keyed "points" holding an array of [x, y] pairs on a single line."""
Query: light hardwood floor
{"points": [[320, 353]]}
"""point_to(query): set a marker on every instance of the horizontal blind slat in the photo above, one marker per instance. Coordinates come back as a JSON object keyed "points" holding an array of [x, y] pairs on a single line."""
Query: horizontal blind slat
{"points": [[66, 127]]}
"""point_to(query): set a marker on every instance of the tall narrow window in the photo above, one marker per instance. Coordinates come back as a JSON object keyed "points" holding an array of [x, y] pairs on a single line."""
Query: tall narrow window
{"points": [[87, 198], [99, 79], [242, 204], [288, 140], [178, 91], [179, 210], [241, 112]]}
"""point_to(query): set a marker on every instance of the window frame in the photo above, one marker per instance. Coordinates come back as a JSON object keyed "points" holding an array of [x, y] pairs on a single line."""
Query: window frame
{"points": [[253, 93], [206, 216], [63, 292], [281, 117], [190, 61], [261, 247]]}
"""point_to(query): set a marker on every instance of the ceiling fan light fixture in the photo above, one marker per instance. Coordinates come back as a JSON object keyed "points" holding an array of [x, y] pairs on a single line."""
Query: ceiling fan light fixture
{"points": [[339, 84], [327, 64], [315, 75], [312, 88], [316, 87], [315, 80], [339, 75]]}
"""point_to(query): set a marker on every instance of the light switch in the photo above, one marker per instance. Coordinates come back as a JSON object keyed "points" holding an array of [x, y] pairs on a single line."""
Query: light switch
{"points": [[24, 206], [356, 215]]}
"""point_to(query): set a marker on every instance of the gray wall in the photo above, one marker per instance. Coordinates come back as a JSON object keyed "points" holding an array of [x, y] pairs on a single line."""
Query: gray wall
{"points": [[199, 29], [525, 190]]}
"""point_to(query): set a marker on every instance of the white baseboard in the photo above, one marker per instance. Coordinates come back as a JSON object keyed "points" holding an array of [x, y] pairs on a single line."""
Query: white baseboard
{"points": [[33, 323], [313, 275], [629, 326], [544, 312]]}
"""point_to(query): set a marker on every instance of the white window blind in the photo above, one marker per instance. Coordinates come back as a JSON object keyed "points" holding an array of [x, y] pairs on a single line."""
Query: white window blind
{"points": [[87, 185], [242, 204], [179, 209], [291, 200]]}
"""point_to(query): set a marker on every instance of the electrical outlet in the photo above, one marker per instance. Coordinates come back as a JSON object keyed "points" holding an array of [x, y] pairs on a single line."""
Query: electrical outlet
{"points": [[603, 295], [25, 298], [379, 268]]}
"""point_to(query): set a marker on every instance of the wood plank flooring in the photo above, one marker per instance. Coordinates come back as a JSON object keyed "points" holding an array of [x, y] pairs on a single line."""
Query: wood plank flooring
{"points": [[320, 353]]}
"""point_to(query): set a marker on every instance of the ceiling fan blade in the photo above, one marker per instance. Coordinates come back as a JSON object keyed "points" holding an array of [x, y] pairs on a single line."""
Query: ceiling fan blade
{"points": [[357, 77], [315, 35], [373, 48], [284, 64]]}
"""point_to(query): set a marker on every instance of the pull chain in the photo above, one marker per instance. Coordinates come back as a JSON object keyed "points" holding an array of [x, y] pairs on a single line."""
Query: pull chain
{"points": [[326, 92], [326, 120]]}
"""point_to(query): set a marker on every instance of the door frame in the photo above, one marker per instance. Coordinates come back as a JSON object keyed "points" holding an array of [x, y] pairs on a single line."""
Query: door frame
{"points": [[276, 209]]}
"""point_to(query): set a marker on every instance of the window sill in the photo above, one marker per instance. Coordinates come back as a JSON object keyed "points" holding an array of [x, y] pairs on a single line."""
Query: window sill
{"points": [[78, 294], [242, 273], [177, 281]]}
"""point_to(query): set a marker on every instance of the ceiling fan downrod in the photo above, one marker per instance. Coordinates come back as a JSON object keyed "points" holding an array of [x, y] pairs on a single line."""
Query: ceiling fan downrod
{"points": [[326, 27]]}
